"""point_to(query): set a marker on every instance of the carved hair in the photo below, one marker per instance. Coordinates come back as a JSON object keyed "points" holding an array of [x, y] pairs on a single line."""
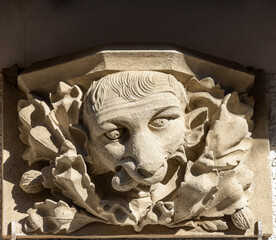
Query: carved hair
{"points": [[133, 85]]}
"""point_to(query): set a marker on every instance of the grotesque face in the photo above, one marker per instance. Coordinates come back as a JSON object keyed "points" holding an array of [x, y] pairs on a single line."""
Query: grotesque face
{"points": [[140, 128], [136, 123]]}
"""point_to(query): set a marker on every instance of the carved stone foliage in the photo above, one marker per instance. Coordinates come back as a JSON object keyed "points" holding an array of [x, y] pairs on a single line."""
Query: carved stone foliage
{"points": [[138, 148]]}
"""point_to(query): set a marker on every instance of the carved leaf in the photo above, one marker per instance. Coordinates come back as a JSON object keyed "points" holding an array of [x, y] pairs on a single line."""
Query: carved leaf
{"points": [[48, 182], [204, 93], [25, 110], [70, 175], [234, 105], [233, 192], [195, 125], [227, 122], [204, 85], [228, 149], [79, 138], [230, 160], [194, 192], [53, 217], [44, 130], [188, 224], [66, 103], [48, 178], [67, 107], [214, 225], [38, 130], [117, 212], [225, 152], [161, 213], [41, 146]]}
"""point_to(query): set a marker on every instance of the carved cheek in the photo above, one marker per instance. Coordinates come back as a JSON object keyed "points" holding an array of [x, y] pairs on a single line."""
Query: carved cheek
{"points": [[173, 136], [115, 152]]}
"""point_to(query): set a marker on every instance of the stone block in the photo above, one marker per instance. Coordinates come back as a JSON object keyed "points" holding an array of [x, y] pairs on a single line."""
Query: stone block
{"points": [[135, 143]]}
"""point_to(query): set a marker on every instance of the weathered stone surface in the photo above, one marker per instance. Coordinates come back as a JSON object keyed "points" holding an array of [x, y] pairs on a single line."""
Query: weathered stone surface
{"points": [[31, 182], [141, 138]]}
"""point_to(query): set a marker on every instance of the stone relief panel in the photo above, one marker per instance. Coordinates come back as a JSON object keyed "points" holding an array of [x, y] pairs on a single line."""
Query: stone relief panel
{"points": [[134, 148], [138, 148]]}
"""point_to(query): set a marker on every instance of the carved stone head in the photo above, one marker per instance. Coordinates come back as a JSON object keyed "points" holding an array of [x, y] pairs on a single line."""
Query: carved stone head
{"points": [[136, 124]]}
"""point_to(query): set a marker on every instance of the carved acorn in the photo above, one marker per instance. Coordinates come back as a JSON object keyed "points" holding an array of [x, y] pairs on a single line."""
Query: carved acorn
{"points": [[31, 182], [243, 218]]}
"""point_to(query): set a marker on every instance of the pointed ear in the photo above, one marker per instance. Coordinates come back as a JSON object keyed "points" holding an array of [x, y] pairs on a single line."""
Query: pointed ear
{"points": [[195, 126]]}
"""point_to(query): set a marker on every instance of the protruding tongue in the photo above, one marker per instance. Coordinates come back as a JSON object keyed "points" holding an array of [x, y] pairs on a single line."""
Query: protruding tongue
{"points": [[122, 182]]}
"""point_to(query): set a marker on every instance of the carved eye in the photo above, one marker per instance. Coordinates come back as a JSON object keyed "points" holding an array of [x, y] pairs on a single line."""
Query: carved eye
{"points": [[159, 123], [114, 134]]}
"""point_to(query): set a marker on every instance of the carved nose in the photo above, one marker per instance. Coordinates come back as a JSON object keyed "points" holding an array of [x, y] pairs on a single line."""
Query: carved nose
{"points": [[145, 170]]}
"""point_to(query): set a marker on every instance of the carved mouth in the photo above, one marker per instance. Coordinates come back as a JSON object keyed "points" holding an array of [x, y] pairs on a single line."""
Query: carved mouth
{"points": [[127, 178], [144, 173], [148, 178], [122, 182], [118, 169]]}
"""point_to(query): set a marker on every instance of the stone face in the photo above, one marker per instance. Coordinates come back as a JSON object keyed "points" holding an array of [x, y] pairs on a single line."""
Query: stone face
{"points": [[152, 142]]}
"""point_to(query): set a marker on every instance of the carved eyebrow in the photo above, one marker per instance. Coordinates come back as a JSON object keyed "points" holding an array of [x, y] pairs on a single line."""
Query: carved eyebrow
{"points": [[168, 111], [105, 126]]}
